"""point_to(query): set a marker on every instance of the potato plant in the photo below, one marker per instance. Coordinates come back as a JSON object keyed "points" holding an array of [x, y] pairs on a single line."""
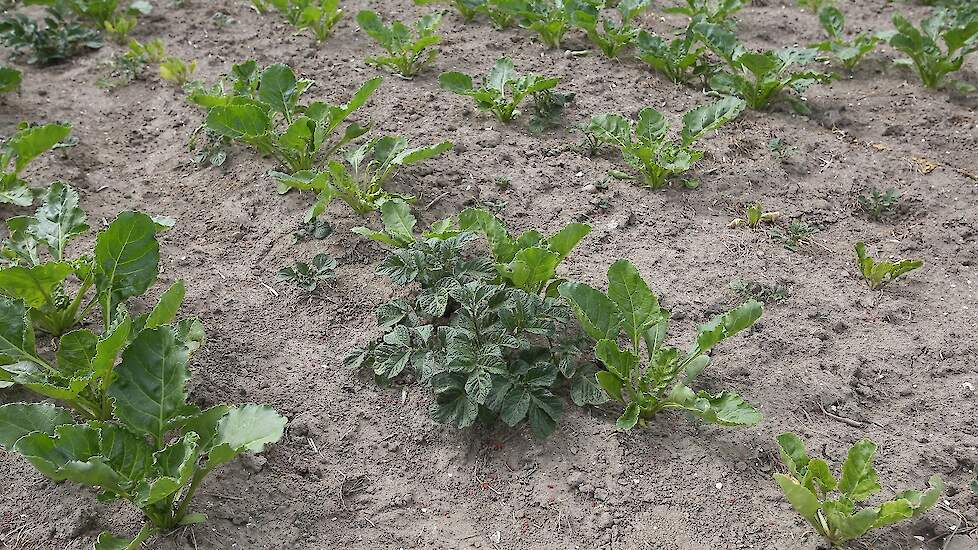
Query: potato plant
{"points": [[154, 448], [759, 78], [263, 110], [811, 487], [502, 90], [879, 274], [408, 51], [609, 36], [17, 152], [487, 349], [921, 46], [646, 146], [663, 381], [58, 37]]}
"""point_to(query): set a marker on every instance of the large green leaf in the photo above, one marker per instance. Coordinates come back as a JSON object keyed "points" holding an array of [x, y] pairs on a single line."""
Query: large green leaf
{"points": [[238, 121], [502, 245], [531, 268], [637, 305], [803, 501], [59, 218], [75, 352], [37, 285], [279, 88], [149, 390], [501, 73], [31, 142], [726, 325], [20, 419], [166, 309], [175, 465], [599, 316], [247, 428], [127, 258], [16, 334], [567, 238], [703, 119], [858, 481], [10, 79], [72, 453]]}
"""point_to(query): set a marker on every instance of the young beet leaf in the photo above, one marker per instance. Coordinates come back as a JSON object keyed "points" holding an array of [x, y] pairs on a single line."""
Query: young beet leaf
{"points": [[468, 9], [678, 59], [408, 52], [153, 449], [711, 11], [848, 52], [880, 274], [610, 37], [759, 77], [317, 16], [645, 144], [359, 182], [264, 112], [399, 224], [550, 19], [10, 79], [177, 71], [960, 36], [503, 89], [662, 381], [809, 485], [17, 151]]}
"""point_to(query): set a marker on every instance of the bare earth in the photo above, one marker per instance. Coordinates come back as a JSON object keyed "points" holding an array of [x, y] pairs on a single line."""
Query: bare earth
{"points": [[364, 467]]}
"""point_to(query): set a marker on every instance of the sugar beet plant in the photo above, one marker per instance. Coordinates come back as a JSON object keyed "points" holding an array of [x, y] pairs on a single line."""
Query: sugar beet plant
{"points": [[478, 331], [502, 90], [759, 77], [811, 487], [879, 274], [153, 449], [849, 52], [921, 46], [409, 50], [263, 110], [678, 59], [663, 380], [609, 36], [711, 11], [17, 152], [317, 16], [645, 143]]}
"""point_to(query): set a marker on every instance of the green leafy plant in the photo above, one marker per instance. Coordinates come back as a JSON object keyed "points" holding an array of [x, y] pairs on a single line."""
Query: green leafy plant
{"points": [[645, 144], [610, 37], [678, 59], [794, 236], [17, 151], [663, 381], [502, 91], [208, 148], [781, 148], [314, 229], [877, 203], [711, 11], [849, 52], [177, 71], [759, 77], [154, 448], [879, 274], [317, 16], [754, 216], [10, 79], [548, 106], [56, 39], [811, 487], [960, 36], [263, 111], [408, 51], [487, 350], [468, 9], [359, 181], [124, 68], [550, 19], [309, 276]]}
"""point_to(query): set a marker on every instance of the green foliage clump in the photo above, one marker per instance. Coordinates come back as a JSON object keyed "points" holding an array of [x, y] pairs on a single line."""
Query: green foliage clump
{"points": [[958, 31], [17, 152], [408, 52], [609, 36], [56, 38], [811, 487], [879, 274], [502, 91], [849, 52], [317, 16], [663, 381]]}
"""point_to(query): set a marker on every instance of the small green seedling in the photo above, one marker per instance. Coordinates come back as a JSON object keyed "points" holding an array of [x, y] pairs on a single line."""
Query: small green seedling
{"points": [[663, 381], [317, 16], [811, 488], [17, 151], [759, 77], [645, 144], [849, 52], [408, 51], [177, 71], [879, 274], [878, 203], [124, 68], [550, 19], [610, 37], [468, 9], [679, 59], [960, 36], [10, 79], [794, 236], [761, 291], [359, 181], [711, 11], [781, 149], [309, 276], [503, 89], [754, 216]]}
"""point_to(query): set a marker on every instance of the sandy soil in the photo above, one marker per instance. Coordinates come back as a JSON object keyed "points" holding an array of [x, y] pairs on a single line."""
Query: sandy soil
{"points": [[363, 467]]}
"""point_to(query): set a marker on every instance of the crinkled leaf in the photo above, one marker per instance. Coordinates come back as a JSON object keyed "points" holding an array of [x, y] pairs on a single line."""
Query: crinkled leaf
{"points": [[20, 419]]}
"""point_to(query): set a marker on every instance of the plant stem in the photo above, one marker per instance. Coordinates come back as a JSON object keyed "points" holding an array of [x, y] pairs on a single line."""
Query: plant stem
{"points": [[185, 503], [144, 533]]}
